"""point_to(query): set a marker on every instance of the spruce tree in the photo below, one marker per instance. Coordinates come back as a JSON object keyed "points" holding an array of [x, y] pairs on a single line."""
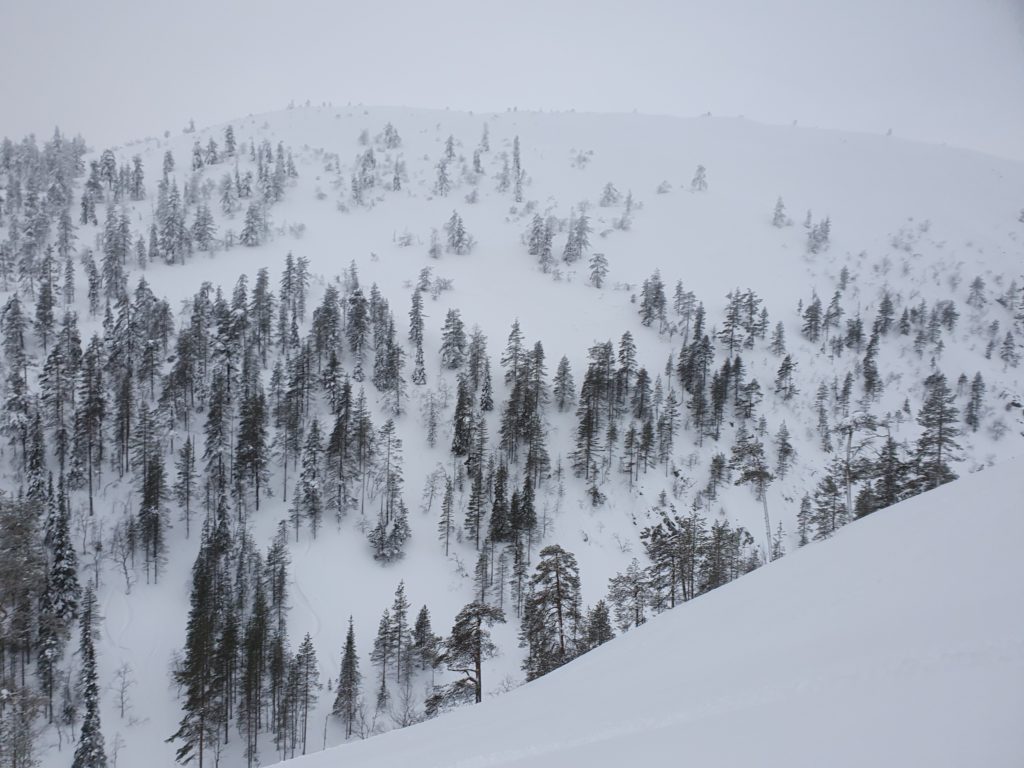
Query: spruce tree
{"points": [[937, 446], [346, 701], [90, 751]]}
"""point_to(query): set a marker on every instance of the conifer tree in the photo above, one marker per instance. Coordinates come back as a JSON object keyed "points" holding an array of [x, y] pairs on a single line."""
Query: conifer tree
{"points": [[937, 446], [446, 524], [779, 218], [552, 620], [346, 701], [309, 502], [381, 656], [972, 413], [453, 341], [185, 480], [599, 625], [425, 644], [464, 652], [563, 388], [308, 679], [598, 269], [630, 595], [90, 751]]}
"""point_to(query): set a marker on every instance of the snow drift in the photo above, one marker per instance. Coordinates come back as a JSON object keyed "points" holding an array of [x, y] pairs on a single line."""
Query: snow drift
{"points": [[898, 642]]}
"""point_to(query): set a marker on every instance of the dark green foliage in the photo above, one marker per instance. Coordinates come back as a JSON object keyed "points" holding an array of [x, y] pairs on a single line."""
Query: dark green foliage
{"points": [[464, 652], [552, 630]]}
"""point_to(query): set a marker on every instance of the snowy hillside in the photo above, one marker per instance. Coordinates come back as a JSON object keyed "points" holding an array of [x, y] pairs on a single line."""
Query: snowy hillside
{"points": [[879, 647], [732, 337]]}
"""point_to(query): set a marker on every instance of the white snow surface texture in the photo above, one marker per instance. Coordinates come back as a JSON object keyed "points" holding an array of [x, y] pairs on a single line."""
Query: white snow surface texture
{"points": [[884, 646]]}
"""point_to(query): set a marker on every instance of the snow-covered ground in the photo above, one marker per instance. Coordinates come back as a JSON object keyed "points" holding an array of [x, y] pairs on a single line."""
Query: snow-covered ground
{"points": [[921, 221], [900, 642]]}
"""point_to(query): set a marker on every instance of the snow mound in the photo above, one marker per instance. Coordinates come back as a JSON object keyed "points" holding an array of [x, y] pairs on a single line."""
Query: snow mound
{"points": [[899, 642]]}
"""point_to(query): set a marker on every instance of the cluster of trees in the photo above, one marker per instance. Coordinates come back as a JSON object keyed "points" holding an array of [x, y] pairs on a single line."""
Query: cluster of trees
{"points": [[237, 666], [687, 557]]}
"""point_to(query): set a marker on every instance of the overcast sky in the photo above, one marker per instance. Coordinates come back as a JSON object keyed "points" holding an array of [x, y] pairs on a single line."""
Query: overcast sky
{"points": [[938, 70]]}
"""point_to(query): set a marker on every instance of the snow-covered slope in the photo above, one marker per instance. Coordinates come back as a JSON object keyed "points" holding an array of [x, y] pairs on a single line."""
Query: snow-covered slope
{"points": [[898, 643], [919, 222]]}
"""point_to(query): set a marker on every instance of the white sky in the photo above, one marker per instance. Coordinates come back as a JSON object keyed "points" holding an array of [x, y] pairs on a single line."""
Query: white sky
{"points": [[938, 70]]}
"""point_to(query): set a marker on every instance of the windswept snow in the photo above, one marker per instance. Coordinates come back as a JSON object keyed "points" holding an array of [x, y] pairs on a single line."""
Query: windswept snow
{"points": [[900, 642]]}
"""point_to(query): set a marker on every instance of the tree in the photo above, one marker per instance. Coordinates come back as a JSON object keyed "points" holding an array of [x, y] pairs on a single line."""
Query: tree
{"points": [[90, 751], [389, 535], [598, 269], [346, 701], [599, 625], [453, 341], [464, 652], [779, 218], [972, 413], [425, 644], [401, 635], [1007, 351], [309, 502], [563, 388], [749, 461], [937, 445], [830, 512], [252, 452], [630, 594], [308, 678], [185, 483], [700, 180], [381, 656], [252, 230], [196, 675], [446, 525], [459, 241], [785, 386], [552, 620], [784, 450]]}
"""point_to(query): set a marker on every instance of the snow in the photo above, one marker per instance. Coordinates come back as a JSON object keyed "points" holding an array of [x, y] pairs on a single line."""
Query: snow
{"points": [[954, 214], [899, 642]]}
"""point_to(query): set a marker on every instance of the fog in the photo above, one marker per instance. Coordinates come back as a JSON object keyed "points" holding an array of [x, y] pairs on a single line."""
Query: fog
{"points": [[938, 70]]}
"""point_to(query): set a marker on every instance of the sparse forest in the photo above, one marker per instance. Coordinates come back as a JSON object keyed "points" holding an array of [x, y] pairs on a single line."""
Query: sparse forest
{"points": [[236, 380]]}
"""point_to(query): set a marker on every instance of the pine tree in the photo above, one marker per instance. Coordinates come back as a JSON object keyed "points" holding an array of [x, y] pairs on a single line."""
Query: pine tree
{"points": [[785, 386], [401, 635], [784, 451], [309, 503], [599, 625], [308, 679], [346, 701], [252, 230], [552, 620], [937, 445], [563, 388], [381, 656], [63, 589], [779, 218], [630, 595], [465, 650], [598, 269], [453, 341], [90, 751], [972, 413], [425, 644], [699, 182], [185, 480], [446, 524], [830, 512]]}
